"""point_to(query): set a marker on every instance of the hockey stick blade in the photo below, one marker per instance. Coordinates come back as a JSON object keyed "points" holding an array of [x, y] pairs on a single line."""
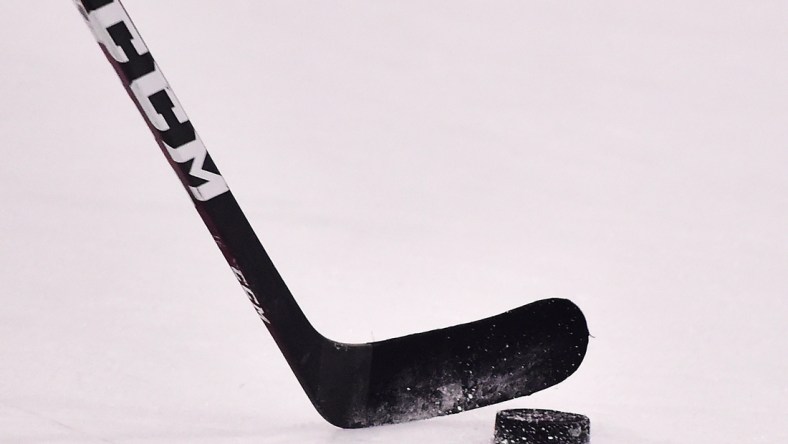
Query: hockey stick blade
{"points": [[451, 370], [419, 376]]}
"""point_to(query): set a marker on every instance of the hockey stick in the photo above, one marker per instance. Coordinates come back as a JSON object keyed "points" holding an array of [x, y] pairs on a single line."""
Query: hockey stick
{"points": [[418, 376]]}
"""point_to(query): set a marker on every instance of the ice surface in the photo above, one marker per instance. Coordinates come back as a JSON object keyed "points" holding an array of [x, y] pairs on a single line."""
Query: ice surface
{"points": [[409, 165]]}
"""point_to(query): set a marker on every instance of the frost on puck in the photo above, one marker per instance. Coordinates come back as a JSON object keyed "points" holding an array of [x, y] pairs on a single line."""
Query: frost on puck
{"points": [[532, 426]]}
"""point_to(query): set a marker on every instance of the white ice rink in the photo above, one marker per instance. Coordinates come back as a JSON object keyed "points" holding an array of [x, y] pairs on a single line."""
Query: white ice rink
{"points": [[409, 165]]}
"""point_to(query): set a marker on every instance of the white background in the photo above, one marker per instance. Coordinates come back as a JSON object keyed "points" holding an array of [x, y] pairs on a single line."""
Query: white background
{"points": [[409, 166]]}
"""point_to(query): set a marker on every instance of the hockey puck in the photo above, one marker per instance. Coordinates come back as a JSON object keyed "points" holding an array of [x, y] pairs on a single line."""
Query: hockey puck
{"points": [[532, 426]]}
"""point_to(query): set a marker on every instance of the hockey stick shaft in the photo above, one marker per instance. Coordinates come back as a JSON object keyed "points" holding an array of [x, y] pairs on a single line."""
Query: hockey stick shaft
{"points": [[151, 93]]}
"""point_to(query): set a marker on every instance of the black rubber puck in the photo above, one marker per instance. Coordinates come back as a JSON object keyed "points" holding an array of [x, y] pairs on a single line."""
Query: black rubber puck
{"points": [[531, 426]]}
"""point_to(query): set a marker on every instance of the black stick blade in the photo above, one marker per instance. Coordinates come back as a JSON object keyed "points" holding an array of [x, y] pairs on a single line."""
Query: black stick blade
{"points": [[454, 369]]}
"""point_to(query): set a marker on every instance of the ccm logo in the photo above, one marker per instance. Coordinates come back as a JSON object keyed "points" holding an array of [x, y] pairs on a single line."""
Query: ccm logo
{"points": [[115, 32]]}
